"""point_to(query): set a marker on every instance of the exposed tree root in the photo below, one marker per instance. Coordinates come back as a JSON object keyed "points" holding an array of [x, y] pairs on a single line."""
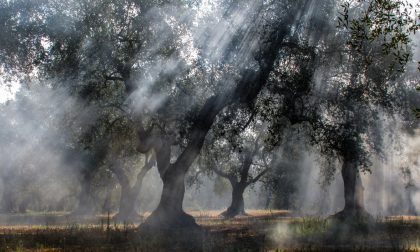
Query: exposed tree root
{"points": [[229, 213], [165, 220]]}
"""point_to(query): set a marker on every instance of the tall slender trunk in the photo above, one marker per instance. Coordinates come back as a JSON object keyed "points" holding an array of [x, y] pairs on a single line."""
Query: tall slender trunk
{"points": [[349, 174], [353, 192], [237, 203]]}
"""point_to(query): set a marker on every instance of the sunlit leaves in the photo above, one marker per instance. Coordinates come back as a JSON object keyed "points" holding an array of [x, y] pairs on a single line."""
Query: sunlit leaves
{"points": [[389, 21]]}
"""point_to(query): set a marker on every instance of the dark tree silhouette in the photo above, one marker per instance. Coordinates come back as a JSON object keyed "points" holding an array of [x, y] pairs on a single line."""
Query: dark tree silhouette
{"points": [[241, 159]]}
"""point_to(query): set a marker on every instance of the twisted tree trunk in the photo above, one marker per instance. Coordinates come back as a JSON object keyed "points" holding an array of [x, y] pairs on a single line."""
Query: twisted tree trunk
{"points": [[169, 214], [129, 194]]}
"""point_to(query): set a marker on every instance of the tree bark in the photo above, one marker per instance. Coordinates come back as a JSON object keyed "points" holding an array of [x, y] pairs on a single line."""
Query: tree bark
{"points": [[349, 173], [238, 186], [237, 206], [129, 194], [169, 214], [353, 192]]}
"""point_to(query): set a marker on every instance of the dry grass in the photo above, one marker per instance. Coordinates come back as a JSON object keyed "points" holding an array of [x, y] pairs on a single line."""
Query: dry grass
{"points": [[402, 218], [258, 231]]}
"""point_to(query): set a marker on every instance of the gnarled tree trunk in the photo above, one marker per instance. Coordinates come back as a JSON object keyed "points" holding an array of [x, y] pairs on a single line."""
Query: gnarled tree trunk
{"points": [[129, 194], [169, 214]]}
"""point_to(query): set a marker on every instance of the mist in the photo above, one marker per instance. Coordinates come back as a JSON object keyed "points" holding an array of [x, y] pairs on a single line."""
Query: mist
{"points": [[34, 140], [36, 136], [209, 115]]}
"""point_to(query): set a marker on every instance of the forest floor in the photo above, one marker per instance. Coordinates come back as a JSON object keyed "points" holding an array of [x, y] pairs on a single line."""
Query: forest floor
{"points": [[260, 230]]}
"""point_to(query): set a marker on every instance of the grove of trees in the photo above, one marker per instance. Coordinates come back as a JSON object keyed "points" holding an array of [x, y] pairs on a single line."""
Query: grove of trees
{"points": [[112, 89]]}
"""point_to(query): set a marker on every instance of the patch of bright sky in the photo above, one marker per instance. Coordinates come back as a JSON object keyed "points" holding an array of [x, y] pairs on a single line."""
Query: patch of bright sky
{"points": [[204, 8], [8, 90], [416, 38]]}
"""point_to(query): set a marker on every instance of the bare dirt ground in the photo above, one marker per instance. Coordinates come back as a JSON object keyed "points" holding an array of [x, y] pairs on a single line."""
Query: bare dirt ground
{"points": [[259, 230]]}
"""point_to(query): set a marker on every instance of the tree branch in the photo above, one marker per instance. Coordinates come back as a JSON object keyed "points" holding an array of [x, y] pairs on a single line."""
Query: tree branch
{"points": [[259, 176], [113, 78], [147, 166], [116, 168], [245, 92], [146, 141], [249, 120]]}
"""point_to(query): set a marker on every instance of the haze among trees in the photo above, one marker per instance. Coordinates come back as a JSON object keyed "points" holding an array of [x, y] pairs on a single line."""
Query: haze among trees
{"points": [[113, 90]]}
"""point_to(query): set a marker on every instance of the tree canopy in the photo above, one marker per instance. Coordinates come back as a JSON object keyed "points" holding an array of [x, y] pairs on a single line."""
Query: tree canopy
{"points": [[160, 81]]}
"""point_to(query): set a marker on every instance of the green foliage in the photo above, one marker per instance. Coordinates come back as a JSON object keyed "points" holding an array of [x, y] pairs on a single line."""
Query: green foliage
{"points": [[389, 21], [374, 47]]}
